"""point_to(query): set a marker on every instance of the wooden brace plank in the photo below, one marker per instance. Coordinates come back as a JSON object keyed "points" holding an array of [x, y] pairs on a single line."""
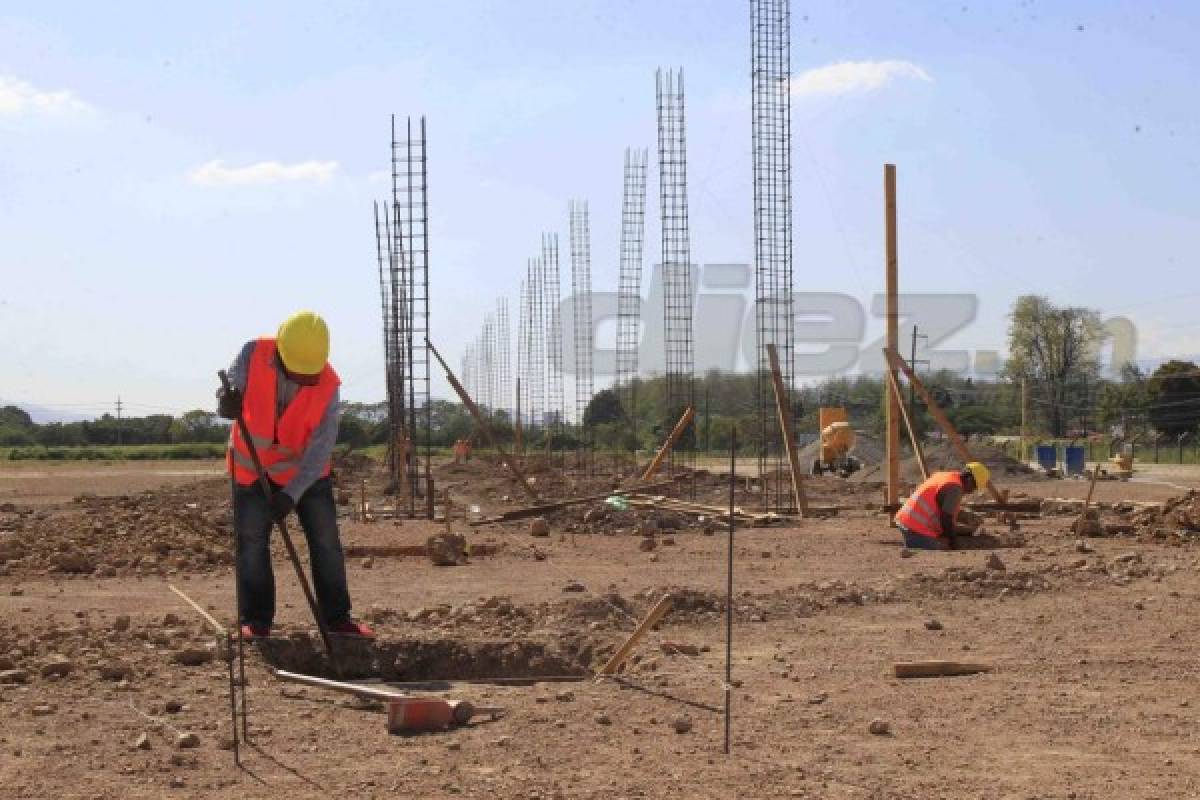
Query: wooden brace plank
{"points": [[939, 416], [618, 658]]}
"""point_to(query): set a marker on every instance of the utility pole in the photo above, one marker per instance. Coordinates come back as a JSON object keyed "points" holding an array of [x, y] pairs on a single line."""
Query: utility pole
{"points": [[118, 419]]}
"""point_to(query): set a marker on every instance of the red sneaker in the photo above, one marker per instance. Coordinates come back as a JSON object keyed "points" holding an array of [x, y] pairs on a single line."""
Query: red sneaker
{"points": [[251, 631], [349, 627]]}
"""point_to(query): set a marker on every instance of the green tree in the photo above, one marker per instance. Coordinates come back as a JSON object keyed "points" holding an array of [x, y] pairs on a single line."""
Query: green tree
{"points": [[605, 407], [1125, 402], [1055, 350], [1174, 392]]}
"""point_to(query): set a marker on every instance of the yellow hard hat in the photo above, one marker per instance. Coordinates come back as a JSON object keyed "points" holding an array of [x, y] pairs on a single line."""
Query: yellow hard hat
{"points": [[981, 474], [303, 343]]}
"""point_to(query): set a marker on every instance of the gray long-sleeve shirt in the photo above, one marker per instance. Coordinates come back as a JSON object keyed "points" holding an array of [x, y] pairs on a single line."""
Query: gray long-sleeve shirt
{"points": [[320, 445]]}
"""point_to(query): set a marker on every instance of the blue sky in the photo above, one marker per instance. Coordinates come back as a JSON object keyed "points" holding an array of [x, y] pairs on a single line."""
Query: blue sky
{"points": [[1044, 147]]}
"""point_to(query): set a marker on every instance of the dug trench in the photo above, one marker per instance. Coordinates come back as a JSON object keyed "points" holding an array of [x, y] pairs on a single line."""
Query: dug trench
{"points": [[411, 660]]}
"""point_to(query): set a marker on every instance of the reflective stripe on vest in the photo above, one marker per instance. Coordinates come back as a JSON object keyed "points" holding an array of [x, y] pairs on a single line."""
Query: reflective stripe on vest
{"points": [[281, 440], [920, 513]]}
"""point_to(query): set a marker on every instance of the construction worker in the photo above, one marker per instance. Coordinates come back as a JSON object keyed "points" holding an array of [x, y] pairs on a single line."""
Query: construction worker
{"points": [[287, 393], [928, 516]]}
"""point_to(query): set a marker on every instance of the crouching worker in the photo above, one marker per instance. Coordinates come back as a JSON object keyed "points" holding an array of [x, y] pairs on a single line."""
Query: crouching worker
{"points": [[287, 393], [927, 518]]}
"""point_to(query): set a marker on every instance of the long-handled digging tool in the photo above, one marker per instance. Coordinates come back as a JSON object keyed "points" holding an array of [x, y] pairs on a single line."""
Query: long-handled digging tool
{"points": [[406, 713], [287, 541]]}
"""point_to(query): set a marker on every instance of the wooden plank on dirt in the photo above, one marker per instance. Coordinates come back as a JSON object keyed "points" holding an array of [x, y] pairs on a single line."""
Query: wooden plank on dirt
{"points": [[546, 508], [651, 619], [938, 669], [218, 627]]}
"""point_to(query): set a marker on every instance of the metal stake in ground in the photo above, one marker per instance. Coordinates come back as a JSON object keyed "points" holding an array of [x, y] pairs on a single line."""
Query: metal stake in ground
{"points": [[729, 585], [287, 539]]}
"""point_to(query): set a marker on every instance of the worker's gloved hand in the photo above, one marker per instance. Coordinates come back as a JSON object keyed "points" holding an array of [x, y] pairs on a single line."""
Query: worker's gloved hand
{"points": [[281, 505], [229, 403]]}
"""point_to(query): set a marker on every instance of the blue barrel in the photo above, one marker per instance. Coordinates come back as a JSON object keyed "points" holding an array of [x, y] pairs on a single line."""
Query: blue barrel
{"points": [[1047, 456], [1075, 457]]}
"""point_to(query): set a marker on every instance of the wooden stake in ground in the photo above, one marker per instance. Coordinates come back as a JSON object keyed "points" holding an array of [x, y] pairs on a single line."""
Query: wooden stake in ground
{"points": [[689, 414], [483, 428], [1078, 526], [783, 406], [912, 432], [618, 658], [939, 416], [893, 404]]}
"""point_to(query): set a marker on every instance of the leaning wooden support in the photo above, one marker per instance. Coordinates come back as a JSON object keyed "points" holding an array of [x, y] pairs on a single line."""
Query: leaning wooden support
{"points": [[689, 414], [783, 406], [908, 425], [937, 669], [482, 425], [939, 416], [618, 658]]}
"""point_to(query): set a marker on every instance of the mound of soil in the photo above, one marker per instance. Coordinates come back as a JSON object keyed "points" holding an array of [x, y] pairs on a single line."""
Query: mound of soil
{"points": [[155, 532]]}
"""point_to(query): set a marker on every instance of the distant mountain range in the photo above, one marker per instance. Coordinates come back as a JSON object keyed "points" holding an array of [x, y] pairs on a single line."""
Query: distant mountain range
{"points": [[44, 414]]}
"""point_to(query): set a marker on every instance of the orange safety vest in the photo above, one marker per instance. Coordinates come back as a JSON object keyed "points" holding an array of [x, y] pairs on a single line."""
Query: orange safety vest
{"points": [[279, 442], [920, 513]]}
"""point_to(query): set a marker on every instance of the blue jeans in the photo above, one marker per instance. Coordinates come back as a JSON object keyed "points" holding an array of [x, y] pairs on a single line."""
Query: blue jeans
{"points": [[915, 541], [256, 580]]}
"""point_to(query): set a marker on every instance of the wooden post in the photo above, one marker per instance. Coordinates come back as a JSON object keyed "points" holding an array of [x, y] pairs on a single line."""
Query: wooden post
{"points": [[487, 433], [689, 414], [783, 406], [892, 408], [939, 416], [618, 658], [912, 432]]}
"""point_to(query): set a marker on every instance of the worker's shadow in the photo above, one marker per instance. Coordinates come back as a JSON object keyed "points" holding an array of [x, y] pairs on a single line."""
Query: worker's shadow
{"points": [[976, 541]]}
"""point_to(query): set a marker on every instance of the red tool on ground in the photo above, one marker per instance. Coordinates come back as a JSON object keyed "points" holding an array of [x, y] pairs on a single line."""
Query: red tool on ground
{"points": [[406, 713]]}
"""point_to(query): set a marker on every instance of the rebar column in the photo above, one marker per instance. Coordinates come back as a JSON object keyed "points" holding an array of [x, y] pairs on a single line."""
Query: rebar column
{"points": [[581, 308], [676, 261], [629, 285]]}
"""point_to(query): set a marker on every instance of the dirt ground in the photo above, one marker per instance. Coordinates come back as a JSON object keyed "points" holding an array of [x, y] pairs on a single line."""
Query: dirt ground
{"points": [[1093, 692]]}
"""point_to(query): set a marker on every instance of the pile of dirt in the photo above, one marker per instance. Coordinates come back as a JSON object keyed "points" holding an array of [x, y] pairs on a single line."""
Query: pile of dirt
{"points": [[1177, 515], [942, 456], [157, 532]]}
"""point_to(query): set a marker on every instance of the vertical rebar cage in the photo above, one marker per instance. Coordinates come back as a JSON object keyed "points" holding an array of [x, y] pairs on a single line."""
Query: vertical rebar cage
{"points": [[581, 311], [504, 391], [676, 260], [402, 242], [772, 159], [629, 285], [552, 289]]}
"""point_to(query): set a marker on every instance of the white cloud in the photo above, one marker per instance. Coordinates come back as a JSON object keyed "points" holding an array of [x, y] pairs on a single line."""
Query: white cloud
{"points": [[20, 98], [216, 173], [846, 77]]}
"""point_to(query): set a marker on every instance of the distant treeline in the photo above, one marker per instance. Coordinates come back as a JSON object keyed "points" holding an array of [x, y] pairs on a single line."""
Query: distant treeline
{"points": [[1165, 404]]}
